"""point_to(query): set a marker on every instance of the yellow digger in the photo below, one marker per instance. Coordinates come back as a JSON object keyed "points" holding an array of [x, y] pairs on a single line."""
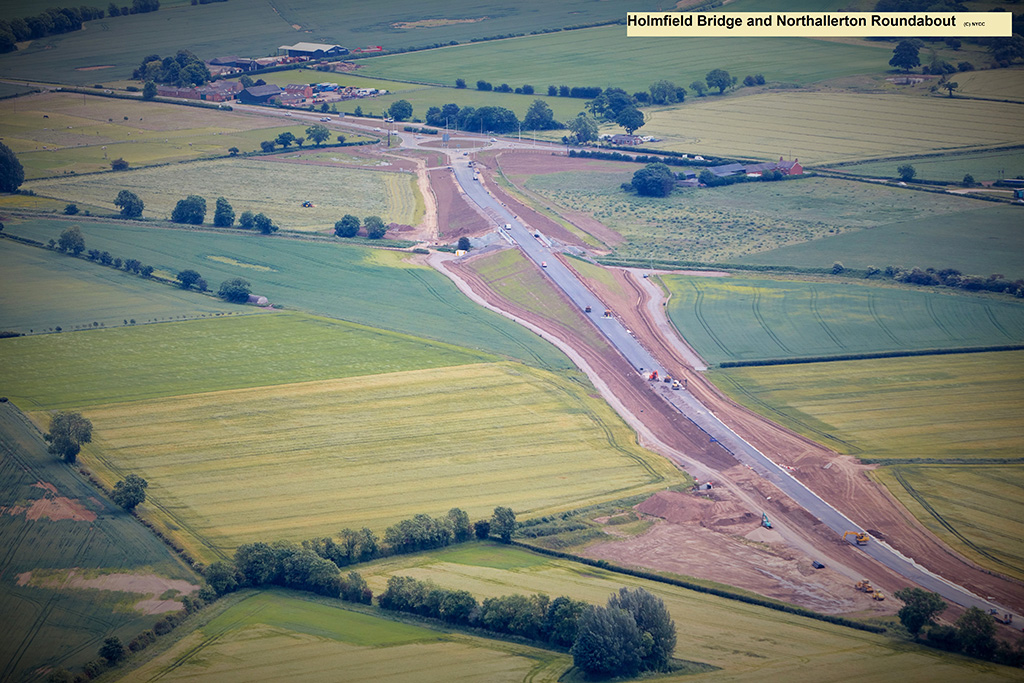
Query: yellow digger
{"points": [[859, 537]]}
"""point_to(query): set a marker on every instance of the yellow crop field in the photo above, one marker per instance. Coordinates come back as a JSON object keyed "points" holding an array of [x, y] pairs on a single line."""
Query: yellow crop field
{"points": [[821, 128], [303, 460], [275, 188]]}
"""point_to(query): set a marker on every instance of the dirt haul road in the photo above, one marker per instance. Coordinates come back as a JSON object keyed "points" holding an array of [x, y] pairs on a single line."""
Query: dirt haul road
{"points": [[844, 484]]}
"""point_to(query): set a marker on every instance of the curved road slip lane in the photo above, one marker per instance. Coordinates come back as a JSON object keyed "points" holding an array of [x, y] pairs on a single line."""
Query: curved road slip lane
{"points": [[540, 250]]}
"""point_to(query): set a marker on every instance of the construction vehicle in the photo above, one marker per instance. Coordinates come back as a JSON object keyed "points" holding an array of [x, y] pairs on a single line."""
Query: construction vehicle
{"points": [[1007, 618], [765, 522], [878, 595], [668, 379], [817, 565], [653, 377], [607, 312], [859, 537], [675, 385], [307, 205], [864, 586]]}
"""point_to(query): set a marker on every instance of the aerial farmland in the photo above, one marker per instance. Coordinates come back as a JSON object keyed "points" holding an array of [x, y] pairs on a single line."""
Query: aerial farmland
{"points": [[386, 341]]}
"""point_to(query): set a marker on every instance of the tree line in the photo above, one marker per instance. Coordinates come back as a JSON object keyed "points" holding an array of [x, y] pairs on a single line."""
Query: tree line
{"points": [[946, 277], [50, 22], [631, 634]]}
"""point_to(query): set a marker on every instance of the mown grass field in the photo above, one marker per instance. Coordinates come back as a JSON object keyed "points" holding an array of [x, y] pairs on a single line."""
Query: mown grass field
{"points": [[302, 460], [992, 244], [822, 128], [45, 289], [56, 133], [605, 57], [277, 635], [119, 43], [740, 318], [976, 509], [324, 278], [961, 406], [514, 277], [810, 222], [749, 643], [77, 369], [984, 166], [49, 627], [997, 84], [255, 185]]}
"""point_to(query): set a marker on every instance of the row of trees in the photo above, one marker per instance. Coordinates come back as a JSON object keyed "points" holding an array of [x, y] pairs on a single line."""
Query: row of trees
{"points": [[53, 21], [949, 277], [349, 226], [633, 633], [184, 69], [973, 633], [497, 119]]}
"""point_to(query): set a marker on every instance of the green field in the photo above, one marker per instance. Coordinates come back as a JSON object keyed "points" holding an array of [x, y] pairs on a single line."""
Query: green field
{"points": [[255, 185], [985, 526], [47, 626], [822, 128], [154, 361], [744, 319], [992, 244], [278, 635], [749, 643], [984, 166], [511, 275], [805, 223], [45, 289], [322, 278], [957, 407], [606, 57], [117, 44], [58, 133]]}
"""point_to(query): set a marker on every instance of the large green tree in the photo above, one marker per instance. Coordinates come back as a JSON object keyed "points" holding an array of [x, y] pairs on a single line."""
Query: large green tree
{"points": [[665, 92], [191, 210], [188, 277], [236, 290], [503, 523], [130, 492], [608, 643], [718, 78], [540, 117], [657, 629], [348, 226], [975, 631], [68, 431], [905, 55], [631, 119], [584, 129], [400, 110], [130, 204], [375, 227], [919, 609], [318, 133], [71, 240], [223, 214], [12, 175], [654, 180], [264, 224]]}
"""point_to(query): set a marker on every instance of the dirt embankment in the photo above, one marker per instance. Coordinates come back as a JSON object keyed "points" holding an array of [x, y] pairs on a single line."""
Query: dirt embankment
{"points": [[455, 216]]}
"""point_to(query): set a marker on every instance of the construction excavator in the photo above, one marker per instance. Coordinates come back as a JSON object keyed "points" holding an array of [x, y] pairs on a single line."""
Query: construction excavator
{"points": [[859, 537]]}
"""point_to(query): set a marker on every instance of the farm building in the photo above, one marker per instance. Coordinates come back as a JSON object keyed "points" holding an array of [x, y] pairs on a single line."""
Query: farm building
{"points": [[313, 50], [628, 140], [782, 166], [259, 94], [231, 64], [297, 89], [258, 300]]}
